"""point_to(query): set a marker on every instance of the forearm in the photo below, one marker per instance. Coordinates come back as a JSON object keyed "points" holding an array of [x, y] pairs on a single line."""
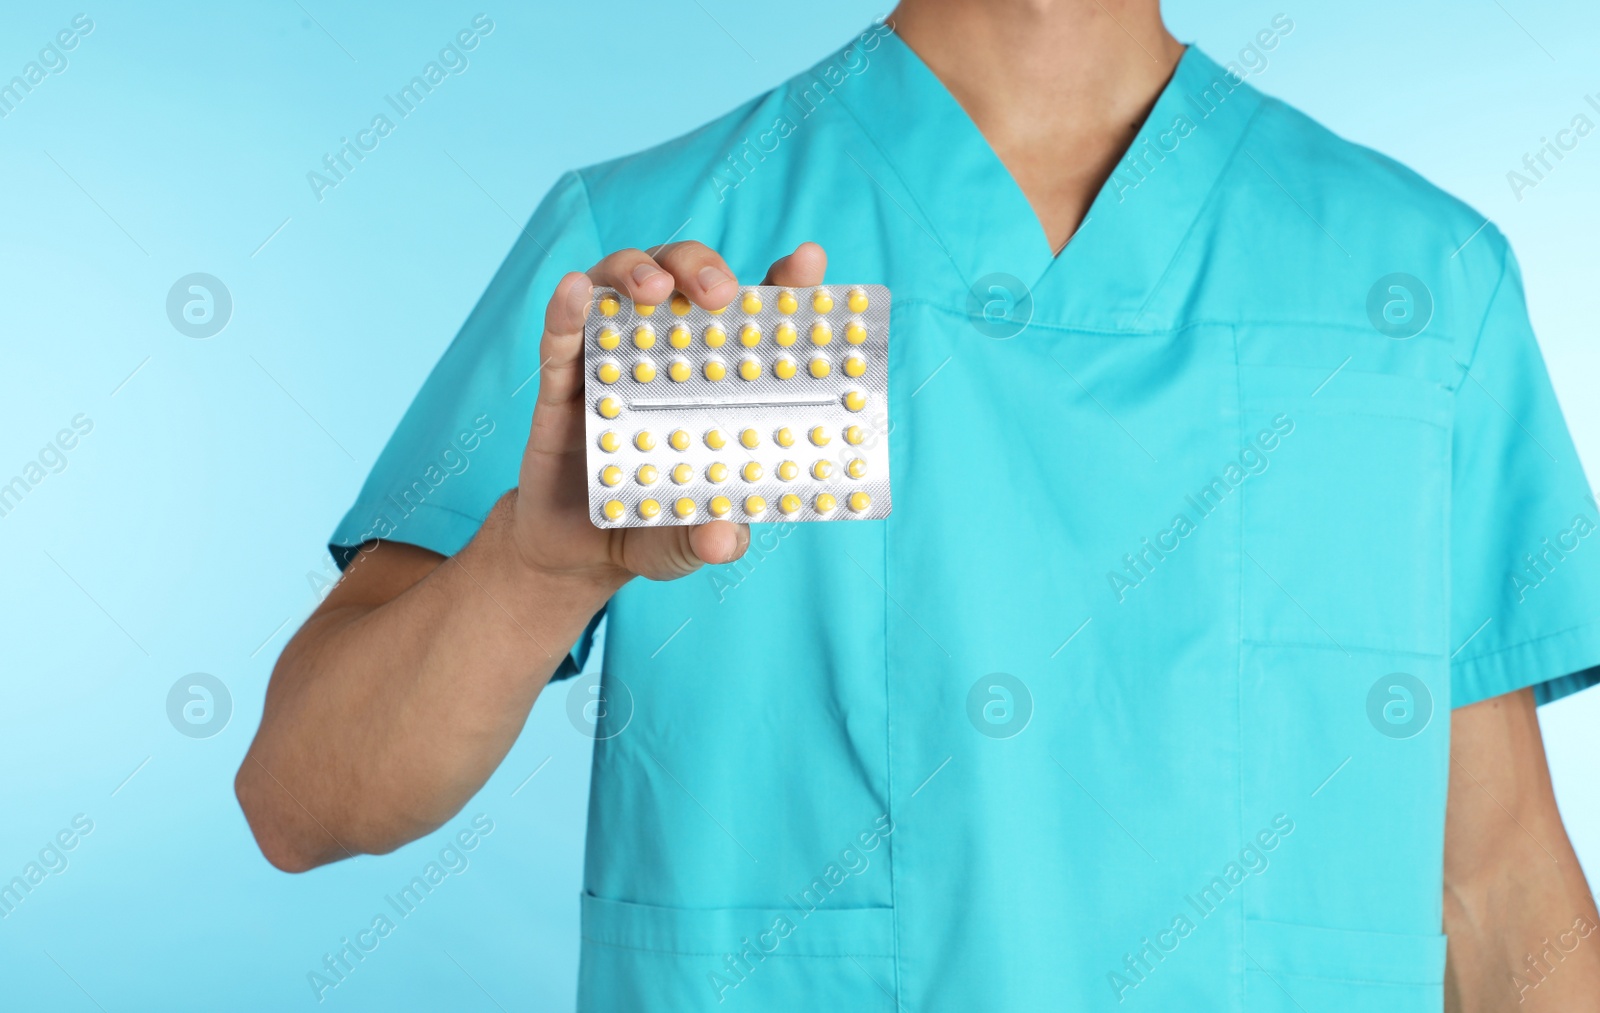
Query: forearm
{"points": [[1523, 930], [1526, 937], [382, 720]]}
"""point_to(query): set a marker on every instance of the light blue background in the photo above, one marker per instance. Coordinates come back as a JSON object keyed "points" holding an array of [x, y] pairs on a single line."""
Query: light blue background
{"points": [[185, 531]]}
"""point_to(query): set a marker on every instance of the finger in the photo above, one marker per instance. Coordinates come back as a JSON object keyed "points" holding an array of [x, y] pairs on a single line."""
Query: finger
{"points": [[700, 272], [805, 266], [636, 274], [561, 348]]}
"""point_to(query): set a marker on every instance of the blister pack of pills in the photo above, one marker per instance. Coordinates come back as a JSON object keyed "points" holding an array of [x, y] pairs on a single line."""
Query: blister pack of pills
{"points": [[775, 408]]}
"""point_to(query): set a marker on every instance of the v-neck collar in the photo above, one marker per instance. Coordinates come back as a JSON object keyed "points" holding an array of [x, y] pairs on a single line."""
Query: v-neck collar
{"points": [[961, 194]]}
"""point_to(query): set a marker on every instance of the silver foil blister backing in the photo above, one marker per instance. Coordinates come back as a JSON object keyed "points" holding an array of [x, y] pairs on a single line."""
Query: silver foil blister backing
{"points": [[767, 404]]}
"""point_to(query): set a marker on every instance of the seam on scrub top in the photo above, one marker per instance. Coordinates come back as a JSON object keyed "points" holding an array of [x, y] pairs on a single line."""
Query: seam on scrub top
{"points": [[1529, 643], [905, 188], [1311, 323], [588, 211], [888, 767], [1238, 679], [1205, 204], [697, 953], [421, 507], [1391, 416], [1382, 982], [1483, 325], [1356, 648], [476, 521], [1444, 337]]}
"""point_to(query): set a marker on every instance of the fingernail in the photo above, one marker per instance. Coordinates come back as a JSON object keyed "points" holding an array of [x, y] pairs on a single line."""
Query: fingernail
{"points": [[711, 277], [644, 272]]}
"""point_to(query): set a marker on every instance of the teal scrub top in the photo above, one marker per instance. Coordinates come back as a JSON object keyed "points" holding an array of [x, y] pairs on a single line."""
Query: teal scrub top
{"points": [[1140, 698]]}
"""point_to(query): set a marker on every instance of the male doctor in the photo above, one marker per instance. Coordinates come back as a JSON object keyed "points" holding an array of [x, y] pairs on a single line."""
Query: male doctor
{"points": [[1237, 532]]}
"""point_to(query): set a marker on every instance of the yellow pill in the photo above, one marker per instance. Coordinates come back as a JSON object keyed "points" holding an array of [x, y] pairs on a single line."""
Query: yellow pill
{"points": [[608, 372], [858, 300], [857, 468], [647, 474], [610, 442], [682, 474], [822, 469], [784, 334], [788, 471], [751, 472], [715, 370], [821, 333], [787, 303], [644, 338], [610, 407], [644, 372], [720, 506], [717, 473], [853, 435], [749, 335], [819, 436], [716, 440], [755, 506], [644, 440], [859, 501], [751, 303], [679, 371], [613, 509], [784, 368], [684, 507], [855, 333], [750, 438], [718, 311], [855, 401], [750, 369], [825, 502], [679, 439], [609, 306], [649, 509], [822, 301], [789, 503], [679, 337], [716, 337], [609, 339], [855, 365], [680, 304], [820, 367], [644, 311], [784, 438], [610, 474]]}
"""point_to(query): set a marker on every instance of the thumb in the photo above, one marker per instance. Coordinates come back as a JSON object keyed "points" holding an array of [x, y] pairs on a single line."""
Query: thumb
{"points": [[670, 553]]}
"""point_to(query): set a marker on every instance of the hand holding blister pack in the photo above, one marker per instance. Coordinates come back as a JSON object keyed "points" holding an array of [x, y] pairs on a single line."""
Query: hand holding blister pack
{"points": [[773, 408]]}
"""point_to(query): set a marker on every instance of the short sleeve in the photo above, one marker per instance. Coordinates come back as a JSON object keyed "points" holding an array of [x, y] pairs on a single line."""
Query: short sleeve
{"points": [[458, 447], [1524, 529]]}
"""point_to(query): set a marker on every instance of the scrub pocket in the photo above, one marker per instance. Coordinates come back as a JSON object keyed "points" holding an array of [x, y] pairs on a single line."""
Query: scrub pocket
{"points": [[1344, 669], [1307, 969], [640, 958], [1347, 526]]}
